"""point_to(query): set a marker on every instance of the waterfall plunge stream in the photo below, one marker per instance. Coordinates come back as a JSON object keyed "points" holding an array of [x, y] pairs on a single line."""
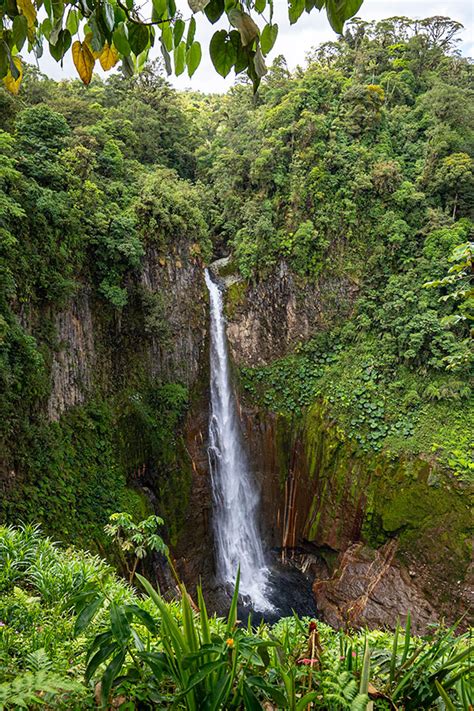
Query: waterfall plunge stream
{"points": [[235, 493]]}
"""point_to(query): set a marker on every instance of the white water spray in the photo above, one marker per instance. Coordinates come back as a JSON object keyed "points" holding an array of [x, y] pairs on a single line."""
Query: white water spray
{"points": [[235, 493]]}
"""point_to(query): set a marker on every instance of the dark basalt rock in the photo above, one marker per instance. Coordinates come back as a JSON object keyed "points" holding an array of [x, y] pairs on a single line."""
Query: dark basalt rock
{"points": [[271, 316]]}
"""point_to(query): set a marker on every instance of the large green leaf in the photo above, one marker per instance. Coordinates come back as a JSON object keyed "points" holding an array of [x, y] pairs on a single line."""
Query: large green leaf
{"points": [[242, 53], [120, 37], [110, 674], [138, 37], [119, 624], [180, 58], [191, 32], [295, 10], [193, 57], [72, 22], [88, 613], [62, 45], [98, 30], [108, 16], [338, 11], [167, 37], [268, 38], [222, 51], [159, 10], [178, 31], [103, 653], [19, 31], [335, 16], [214, 10]]}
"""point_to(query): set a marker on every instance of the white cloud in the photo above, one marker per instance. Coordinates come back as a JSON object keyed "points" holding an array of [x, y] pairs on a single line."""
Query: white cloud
{"points": [[295, 41]]}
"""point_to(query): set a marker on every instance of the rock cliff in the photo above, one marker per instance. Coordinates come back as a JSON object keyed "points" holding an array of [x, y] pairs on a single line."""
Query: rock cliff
{"points": [[92, 350], [267, 319]]}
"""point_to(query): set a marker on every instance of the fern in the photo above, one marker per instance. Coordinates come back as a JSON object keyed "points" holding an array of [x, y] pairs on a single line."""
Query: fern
{"points": [[360, 703], [340, 690], [38, 660], [30, 688]]}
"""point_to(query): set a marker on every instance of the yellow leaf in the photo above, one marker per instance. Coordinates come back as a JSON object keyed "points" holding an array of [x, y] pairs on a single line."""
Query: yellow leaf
{"points": [[109, 57], [27, 9], [83, 60], [13, 85]]}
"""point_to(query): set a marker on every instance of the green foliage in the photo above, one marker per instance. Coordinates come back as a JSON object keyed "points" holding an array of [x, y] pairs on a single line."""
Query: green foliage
{"points": [[75, 472], [135, 539], [57, 642], [34, 688], [355, 172], [461, 293], [343, 175], [114, 31], [169, 211], [381, 409], [343, 172], [77, 171]]}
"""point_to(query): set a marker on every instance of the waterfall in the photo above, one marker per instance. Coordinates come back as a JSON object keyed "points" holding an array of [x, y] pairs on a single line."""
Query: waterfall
{"points": [[235, 493]]}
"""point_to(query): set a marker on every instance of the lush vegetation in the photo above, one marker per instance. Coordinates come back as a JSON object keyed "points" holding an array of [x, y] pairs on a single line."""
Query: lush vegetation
{"points": [[68, 622], [358, 174], [355, 172], [89, 180]]}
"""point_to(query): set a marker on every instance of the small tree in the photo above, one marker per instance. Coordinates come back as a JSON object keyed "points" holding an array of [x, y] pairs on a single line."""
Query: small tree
{"points": [[136, 540]]}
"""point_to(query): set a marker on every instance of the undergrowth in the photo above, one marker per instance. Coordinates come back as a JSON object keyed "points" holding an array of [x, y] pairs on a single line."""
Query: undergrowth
{"points": [[66, 622]]}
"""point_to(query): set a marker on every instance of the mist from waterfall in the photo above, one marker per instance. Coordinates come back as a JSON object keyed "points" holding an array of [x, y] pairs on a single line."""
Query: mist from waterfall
{"points": [[235, 492]]}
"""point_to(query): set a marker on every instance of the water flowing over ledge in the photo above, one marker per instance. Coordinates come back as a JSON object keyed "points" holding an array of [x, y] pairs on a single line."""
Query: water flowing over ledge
{"points": [[235, 493]]}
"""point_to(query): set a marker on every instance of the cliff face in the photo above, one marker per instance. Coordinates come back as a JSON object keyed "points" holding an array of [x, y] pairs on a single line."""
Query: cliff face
{"points": [[98, 354], [393, 534], [181, 281], [107, 436], [269, 318], [73, 363]]}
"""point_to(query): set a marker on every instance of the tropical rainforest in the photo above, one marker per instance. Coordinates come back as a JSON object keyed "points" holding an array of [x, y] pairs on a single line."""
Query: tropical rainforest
{"points": [[336, 205]]}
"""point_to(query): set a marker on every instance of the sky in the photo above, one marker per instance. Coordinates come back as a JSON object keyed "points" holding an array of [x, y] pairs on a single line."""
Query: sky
{"points": [[295, 41]]}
